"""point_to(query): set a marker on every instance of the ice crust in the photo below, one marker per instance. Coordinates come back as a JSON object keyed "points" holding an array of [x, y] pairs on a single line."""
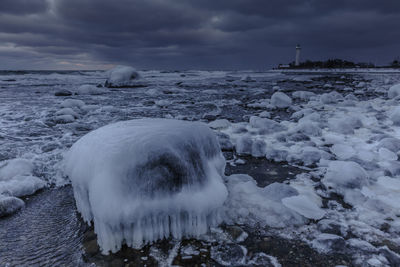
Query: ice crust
{"points": [[144, 180]]}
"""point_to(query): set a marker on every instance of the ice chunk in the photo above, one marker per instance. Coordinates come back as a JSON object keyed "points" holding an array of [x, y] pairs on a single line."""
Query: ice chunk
{"points": [[345, 125], [21, 185], [386, 154], [219, 124], [395, 116], [122, 76], [148, 179], [258, 148], [9, 205], [281, 100], [394, 91], [304, 206], [342, 151], [64, 119], [266, 125], [303, 95], [331, 98], [16, 180], [15, 167], [248, 203], [244, 145], [278, 191], [393, 144], [264, 114], [88, 89], [67, 111], [343, 175], [72, 103]]}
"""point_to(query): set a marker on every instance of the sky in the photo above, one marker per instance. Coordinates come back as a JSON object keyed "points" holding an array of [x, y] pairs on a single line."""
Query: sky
{"points": [[194, 34]]}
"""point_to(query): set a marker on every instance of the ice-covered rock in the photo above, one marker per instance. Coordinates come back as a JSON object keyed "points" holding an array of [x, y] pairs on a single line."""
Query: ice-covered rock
{"points": [[391, 143], [281, 100], [394, 91], [265, 114], [144, 180], [122, 76], [345, 125]]}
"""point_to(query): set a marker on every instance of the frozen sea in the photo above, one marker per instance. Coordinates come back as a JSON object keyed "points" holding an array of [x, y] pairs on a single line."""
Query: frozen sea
{"points": [[321, 149]]}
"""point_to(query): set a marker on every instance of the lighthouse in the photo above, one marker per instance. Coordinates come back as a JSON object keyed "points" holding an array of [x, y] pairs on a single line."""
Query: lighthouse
{"points": [[297, 62]]}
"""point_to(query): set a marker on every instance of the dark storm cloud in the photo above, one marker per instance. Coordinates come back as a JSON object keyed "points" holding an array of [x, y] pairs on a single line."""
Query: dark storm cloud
{"points": [[23, 7], [195, 34]]}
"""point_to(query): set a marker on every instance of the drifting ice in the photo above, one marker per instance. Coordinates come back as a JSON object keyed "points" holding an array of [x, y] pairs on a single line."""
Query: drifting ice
{"points": [[145, 180]]}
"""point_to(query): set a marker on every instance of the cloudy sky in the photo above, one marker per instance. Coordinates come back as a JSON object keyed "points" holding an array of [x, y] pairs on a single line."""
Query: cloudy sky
{"points": [[194, 34]]}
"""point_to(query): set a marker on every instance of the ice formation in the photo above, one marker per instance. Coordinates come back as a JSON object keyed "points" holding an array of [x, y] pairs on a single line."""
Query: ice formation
{"points": [[144, 180], [280, 100], [16, 180], [122, 76]]}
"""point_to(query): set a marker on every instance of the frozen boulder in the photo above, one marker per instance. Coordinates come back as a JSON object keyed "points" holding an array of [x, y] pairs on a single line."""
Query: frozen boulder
{"points": [[281, 100], [144, 180], [394, 91], [342, 151], [122, 76]]}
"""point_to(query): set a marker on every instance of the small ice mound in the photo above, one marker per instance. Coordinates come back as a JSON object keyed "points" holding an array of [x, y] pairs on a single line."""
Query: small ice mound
{"points": [[281, 100], [265, 125], [9, 205], [391, 143], [395, 116], [249, 204], [16, 180], [331, 98], [345, 125], [219, 124], [304, 206], [72, 103], [122, 76], [303, 95], [88, 89], [342, 151], [163, 103], [148, 179], [247, 79], [67, 111], [394, 91], [342, 176]]}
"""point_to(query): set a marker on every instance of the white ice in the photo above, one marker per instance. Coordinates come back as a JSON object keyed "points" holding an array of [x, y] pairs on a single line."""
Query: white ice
{"points": [[144, 180]]}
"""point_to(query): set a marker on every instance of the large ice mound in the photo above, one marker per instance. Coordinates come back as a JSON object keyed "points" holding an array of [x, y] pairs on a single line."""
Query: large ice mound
{"points": [[144, 180]]}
